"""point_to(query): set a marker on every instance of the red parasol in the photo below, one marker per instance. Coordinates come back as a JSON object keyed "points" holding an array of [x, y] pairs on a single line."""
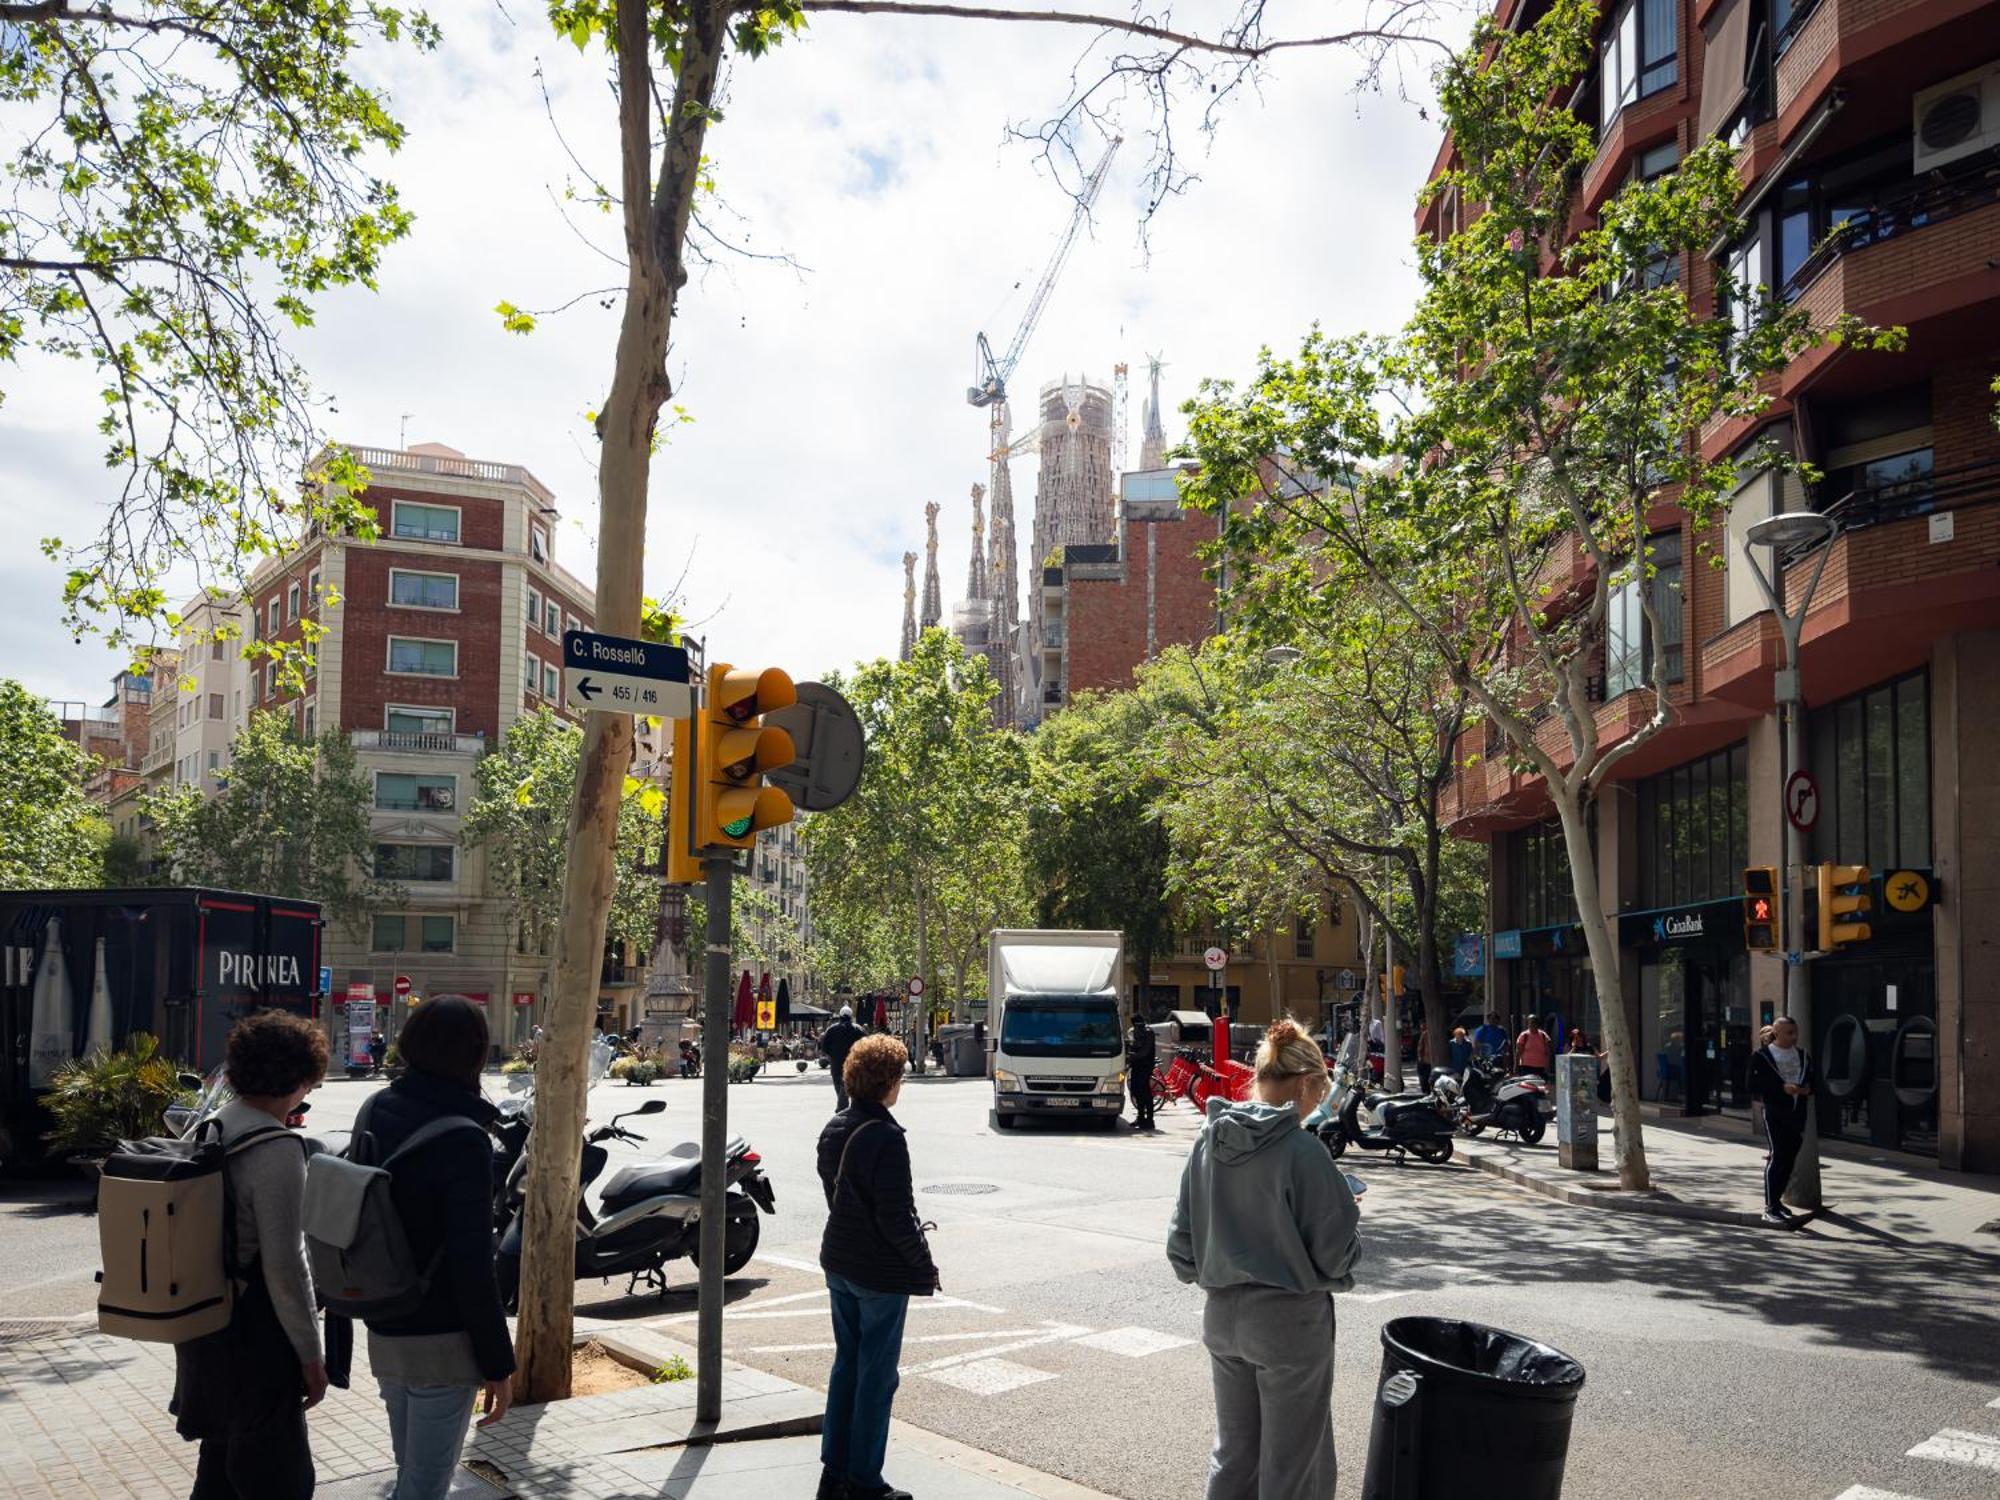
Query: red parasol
{"points": [[881, 1013], [745, 1014]]}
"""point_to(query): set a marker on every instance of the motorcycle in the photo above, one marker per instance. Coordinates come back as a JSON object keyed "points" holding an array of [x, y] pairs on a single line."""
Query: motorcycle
{"points": [[1416, 1126], [1516, 1104], [647, 1214]]}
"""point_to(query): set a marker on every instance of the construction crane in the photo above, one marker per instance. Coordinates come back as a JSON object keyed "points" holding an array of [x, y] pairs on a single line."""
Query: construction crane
{"points": [[993, 374]]}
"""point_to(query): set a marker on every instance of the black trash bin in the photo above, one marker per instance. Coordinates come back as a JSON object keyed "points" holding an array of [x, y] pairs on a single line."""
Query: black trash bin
{"points": [[1459, 1403]]}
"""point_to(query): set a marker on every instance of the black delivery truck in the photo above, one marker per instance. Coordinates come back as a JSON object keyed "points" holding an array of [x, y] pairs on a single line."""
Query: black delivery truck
{"points": [[183, 963]]}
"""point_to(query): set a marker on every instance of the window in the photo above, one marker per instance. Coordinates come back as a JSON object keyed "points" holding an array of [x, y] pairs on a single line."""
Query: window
{"points": [[424, 523], [1694, 830], [397, 791], [277, 613], [396, 933], [310, 720], [215, 650], [418, 720], [1641, 54], [413, 862], [257, 623], [1663, 267], [419, 658], [1871, 756], [571, 622], [551, 617], [550, 687], [538, 542], [423, 590], [1628, 650], [1540, 892], [534, 609], [214, 760], [1749, 281], [292, 602], [270, 682], [1302, 938], [531, 675], [215, 705], [236, 704], [312, 590]]}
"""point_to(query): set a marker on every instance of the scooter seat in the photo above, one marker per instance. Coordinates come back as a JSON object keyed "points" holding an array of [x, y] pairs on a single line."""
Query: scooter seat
{"points": [[651, 1180], [1394, 1113]]}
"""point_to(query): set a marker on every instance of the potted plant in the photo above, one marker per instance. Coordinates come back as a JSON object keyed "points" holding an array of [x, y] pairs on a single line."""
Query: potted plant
{"points": [[108, 1097], [744, 1063]]}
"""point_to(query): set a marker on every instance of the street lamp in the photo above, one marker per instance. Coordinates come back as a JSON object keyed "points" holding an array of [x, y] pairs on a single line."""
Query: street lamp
{"points": [[1282, 656], [1793, 531]]}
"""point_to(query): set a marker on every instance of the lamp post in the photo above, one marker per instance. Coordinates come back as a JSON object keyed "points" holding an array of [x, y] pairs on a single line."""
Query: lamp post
{"points": [[1792, 530]]}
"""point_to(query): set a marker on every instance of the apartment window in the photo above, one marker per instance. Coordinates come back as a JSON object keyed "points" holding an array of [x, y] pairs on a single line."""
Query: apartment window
{"points": [[1871, 756], [257, 623], [310, 720], [1641, 54], [534, 609], [413, 862], [292, 602], [423, 590], [571, 622], [236, 704], [551, 687], [424, 523], [538, 542], [1629, 649], [1302, 938], [312, 590], [215, 705], [397, 791], [551, 617], [1749, 282], [277, 613], [418, 720], [409, 656], [270, 682], [531, 675], [215, 650], [1694, 830], [214, 761], [396, 933]]}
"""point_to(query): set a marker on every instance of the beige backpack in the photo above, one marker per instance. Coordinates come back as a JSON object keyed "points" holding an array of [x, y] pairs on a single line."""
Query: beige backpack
{"points": [[166, 1228]]}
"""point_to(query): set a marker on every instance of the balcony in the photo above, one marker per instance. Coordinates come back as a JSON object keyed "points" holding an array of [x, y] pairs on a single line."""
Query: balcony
{"points": [[1829, 39], [403, 743], [394, 460]]}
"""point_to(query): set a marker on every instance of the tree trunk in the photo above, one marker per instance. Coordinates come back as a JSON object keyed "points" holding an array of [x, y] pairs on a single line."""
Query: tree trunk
{"points": [[1597, 936], [655, 221], [921, 1005]]}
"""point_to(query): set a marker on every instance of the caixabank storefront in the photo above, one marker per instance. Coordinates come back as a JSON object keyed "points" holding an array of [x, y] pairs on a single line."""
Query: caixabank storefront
{"points": [[1696, 1030]]}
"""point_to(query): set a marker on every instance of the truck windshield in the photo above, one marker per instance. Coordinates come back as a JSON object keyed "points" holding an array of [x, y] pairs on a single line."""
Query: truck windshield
{"points": [[1060, 1026]]}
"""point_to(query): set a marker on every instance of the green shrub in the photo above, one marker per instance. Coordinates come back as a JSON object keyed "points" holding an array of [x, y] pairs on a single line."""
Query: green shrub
{"points": [[675, 1368], [622, 1067], [517, 1065], [110, 1097]]}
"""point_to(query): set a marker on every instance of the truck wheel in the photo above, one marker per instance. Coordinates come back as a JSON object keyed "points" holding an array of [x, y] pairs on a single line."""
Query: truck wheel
{"points": [[1002, 1122]]}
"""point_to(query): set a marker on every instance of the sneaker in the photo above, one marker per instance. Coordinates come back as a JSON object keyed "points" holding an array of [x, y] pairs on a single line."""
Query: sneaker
{"points": [[886, 1492], [1777, 1216], [831, 1486]]}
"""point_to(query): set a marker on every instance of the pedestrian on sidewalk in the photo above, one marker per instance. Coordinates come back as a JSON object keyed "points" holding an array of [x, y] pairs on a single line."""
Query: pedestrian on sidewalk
{"points": [[378, 1049], [1460, 1049], [1141, 1053], [1781, 1076], [433, 1364], [1266, 1226], [876, 1258], [1535, 1050], [836, 1042], [244, 1392]]}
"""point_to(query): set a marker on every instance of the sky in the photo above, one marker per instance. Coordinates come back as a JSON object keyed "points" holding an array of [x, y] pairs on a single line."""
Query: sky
{"points": [[827, 403]]}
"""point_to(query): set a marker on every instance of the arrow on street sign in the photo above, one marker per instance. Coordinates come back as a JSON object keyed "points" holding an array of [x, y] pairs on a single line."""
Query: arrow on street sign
{"points": [[616, 675]]}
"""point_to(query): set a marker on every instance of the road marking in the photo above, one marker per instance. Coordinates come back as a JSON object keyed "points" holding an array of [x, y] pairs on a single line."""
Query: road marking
{"points": [[989, 1377], [788, 1263], [1994, 1402], [1976, 1450], [1379, 1296], [1056, 1333], [1133, 1343], [1865, 1492], [928, 1338]]}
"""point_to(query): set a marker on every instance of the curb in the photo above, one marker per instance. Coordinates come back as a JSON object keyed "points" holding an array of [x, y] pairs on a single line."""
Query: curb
{"points": [[1655, 1202], [644, 1350]]}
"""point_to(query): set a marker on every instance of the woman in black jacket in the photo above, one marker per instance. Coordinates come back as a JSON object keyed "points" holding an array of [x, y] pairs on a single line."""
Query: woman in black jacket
{"points": [[433, 1364], [876, 1259]]}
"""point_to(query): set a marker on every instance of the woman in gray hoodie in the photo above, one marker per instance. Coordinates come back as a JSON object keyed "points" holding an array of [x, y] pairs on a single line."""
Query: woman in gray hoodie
{"points": [[1266, 1227]]}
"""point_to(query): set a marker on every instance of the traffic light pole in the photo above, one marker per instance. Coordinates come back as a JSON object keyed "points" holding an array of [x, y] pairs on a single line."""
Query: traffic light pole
{"points": [[720, 872]]}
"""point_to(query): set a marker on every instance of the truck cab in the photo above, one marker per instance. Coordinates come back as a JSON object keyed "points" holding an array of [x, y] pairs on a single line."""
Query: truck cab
{"points": [[1055, 1034]]}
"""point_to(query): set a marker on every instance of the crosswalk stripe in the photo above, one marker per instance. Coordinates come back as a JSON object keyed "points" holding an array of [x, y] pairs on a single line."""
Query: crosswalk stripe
{"points": [[1976, 1450], [1868, 1492]]}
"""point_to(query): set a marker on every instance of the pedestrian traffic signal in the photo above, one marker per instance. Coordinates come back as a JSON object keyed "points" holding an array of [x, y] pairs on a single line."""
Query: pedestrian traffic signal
{"points": [[733, 751], [1760, 909], [1843, 895]]}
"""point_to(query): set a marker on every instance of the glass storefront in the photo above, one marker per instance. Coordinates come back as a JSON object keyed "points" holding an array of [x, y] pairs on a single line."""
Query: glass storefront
{"points": [[1695, 1026], [1876, 1016]]}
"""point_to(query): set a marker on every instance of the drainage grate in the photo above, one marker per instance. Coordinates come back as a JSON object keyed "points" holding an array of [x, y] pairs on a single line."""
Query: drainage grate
{"points": [[963, 1189]]}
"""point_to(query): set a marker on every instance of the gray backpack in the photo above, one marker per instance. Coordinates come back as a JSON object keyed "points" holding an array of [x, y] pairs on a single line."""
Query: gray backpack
{"points": [[362, 1265]]}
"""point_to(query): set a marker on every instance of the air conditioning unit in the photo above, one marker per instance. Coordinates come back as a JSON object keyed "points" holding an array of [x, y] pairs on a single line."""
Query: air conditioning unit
{"points": [[1957, 118]]}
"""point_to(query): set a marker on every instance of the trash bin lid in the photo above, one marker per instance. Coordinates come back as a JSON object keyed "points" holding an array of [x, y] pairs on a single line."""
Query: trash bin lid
{"points": [[1453, 1350]]}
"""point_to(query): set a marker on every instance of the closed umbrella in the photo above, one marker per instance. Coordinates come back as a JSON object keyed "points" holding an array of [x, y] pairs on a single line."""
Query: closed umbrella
{"points": [[881, 1013], [746, 1004], [784, 1002], [52, 1027], [97, 1035]]}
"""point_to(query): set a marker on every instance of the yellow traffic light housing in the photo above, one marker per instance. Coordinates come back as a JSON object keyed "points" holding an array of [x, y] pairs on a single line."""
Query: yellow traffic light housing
{"points": [[683, 863], [734, 749], [1843, 896], [1760, 908]]}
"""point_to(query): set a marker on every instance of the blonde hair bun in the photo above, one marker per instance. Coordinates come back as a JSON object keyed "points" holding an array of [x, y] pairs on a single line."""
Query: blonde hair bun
{"points": [[1287, 1051]]}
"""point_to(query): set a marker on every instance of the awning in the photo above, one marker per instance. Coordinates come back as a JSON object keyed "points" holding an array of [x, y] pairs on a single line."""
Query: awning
{"points": [[1725, 65], [1190, 1020]]}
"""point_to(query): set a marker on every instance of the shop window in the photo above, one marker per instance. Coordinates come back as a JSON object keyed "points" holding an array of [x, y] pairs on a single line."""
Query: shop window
{"points": [[1871, 755]]}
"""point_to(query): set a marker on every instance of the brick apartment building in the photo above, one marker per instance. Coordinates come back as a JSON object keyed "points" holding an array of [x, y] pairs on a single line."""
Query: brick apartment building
{"points": [[443, 633], [1884, 115]]}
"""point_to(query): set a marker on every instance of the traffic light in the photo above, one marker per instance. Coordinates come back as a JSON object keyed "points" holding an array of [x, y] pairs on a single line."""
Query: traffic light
{"points": [[733, 750], [1843, 895], [1760, 908]]}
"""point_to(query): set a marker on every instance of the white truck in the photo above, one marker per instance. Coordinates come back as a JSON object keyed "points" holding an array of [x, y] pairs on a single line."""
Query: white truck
{"points": [[1053, 1024]]}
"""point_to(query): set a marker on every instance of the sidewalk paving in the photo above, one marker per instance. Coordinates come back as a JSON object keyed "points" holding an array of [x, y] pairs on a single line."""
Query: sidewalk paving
{"points": [[82, 1415], [1715, 1175]]}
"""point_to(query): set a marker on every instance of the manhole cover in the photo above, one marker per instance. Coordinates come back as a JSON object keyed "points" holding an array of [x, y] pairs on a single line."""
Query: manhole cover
{"points": [[963, 1189]]}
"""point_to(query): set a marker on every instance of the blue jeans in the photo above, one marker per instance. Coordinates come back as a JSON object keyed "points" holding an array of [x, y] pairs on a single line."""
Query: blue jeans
{"points": [[868, 1340], [427, 1429]]}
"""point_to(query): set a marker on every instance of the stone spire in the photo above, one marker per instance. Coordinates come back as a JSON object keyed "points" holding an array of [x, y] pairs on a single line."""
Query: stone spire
{"points": [[1006, 590], [909, 604], [977, 568], [1153, 445], [933, 610]]}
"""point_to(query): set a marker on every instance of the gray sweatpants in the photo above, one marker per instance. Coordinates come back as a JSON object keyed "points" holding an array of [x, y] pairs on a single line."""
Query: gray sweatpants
{"points": [[1271, 1353]]}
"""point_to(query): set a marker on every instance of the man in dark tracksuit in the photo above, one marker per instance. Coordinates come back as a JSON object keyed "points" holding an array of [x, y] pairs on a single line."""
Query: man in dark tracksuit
{"points": [[1781, 1075], [1140, 1051], [836, 1042]]}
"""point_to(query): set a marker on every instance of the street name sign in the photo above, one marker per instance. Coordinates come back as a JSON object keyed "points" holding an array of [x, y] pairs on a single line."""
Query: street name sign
{"points": [[614, 675]]}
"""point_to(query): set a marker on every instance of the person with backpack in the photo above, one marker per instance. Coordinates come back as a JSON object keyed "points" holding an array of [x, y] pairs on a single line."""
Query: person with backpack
{"points": [[243, 1393], [433, 1363]]}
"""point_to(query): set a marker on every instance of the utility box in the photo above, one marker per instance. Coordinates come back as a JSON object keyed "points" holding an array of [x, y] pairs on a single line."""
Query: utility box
{"points": [[1576, 1111]]}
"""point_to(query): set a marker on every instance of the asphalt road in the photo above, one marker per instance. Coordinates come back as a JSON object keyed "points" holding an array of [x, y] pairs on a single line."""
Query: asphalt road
{"points": [[1721, 1361]]}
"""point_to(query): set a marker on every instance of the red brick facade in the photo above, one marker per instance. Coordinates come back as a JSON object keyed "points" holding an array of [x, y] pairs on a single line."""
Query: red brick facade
{"points": [[368, 620], [1107, 608]]}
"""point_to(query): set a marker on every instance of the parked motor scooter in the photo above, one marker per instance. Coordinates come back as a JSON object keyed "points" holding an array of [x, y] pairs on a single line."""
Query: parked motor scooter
{"points": [[648, 1213], [1418, 1127], [1516, 1104]]}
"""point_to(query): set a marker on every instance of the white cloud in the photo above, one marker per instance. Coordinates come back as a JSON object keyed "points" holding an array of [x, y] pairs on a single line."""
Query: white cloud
{"points": [[828, 406]]}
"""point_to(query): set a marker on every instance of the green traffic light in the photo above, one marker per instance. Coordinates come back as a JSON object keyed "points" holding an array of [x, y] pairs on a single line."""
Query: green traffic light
{"points": [[737, 829]]}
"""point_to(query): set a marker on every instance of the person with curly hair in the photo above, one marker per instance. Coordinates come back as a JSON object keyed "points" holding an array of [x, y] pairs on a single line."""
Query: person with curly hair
{"points": [[1266, 1226], [243, 1393], [876, 1258]]}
